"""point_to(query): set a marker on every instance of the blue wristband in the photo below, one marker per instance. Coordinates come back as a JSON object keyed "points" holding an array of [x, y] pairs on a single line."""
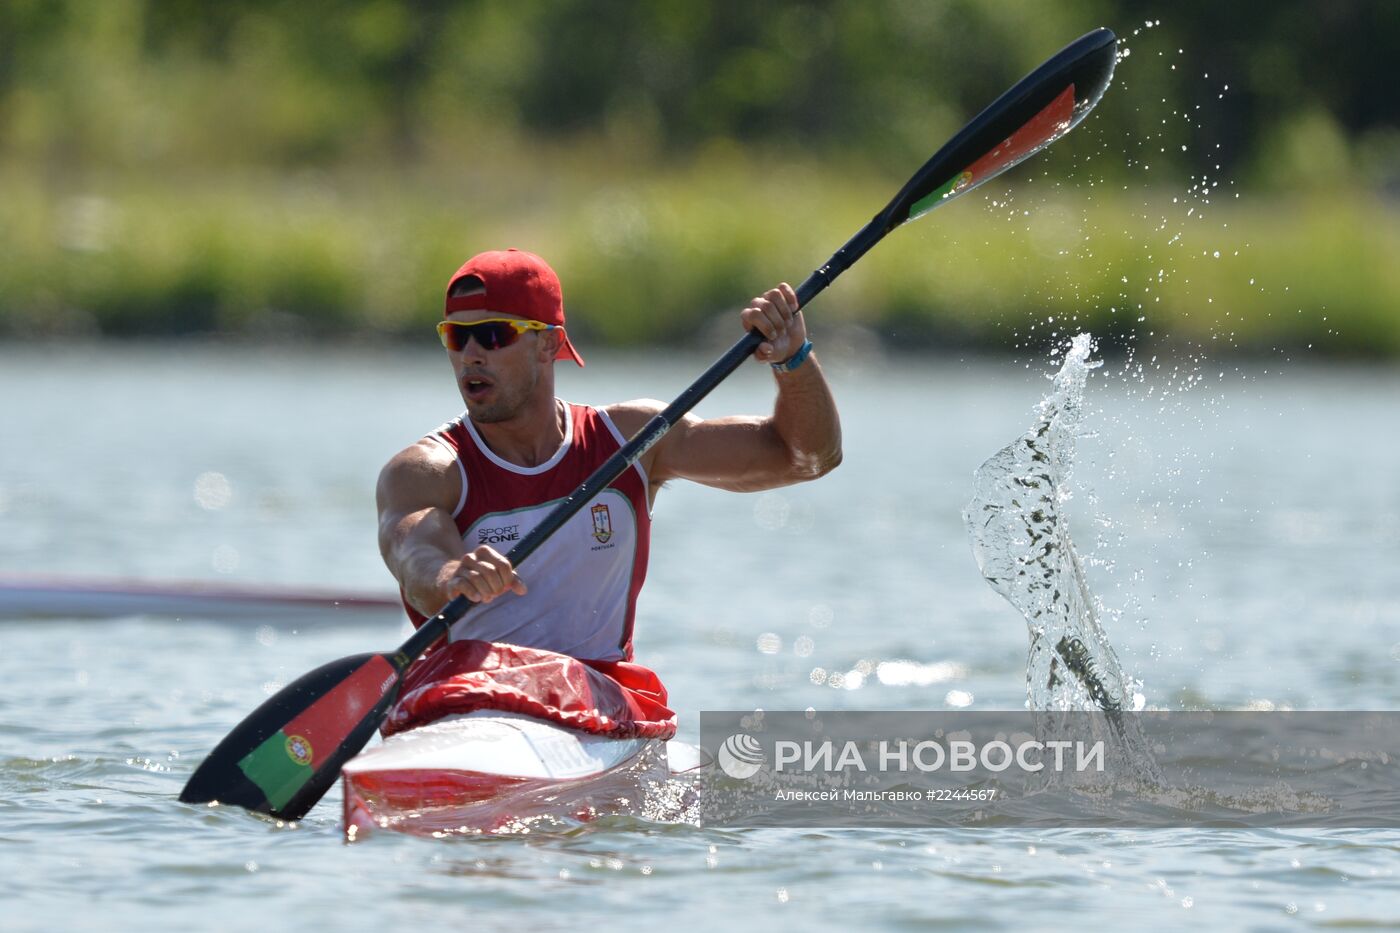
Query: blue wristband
{"points": [[794, 361]]}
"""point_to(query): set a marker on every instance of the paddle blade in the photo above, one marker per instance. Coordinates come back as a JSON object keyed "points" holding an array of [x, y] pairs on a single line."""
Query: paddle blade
{"points": [[1043, 106], [287, 753]]}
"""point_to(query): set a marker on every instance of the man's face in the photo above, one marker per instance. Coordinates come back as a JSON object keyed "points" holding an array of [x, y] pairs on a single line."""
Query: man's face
{"points": [[497, 384]]}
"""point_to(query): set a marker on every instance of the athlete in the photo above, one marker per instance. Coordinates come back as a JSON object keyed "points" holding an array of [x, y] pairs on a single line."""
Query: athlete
{"points": [[452, 504]]}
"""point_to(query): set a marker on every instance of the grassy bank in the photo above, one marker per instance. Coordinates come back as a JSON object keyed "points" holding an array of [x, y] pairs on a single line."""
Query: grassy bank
{"points": [[648, 259]]}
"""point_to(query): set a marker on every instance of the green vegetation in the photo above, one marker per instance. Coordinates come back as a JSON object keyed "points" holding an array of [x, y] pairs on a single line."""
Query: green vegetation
{"points": [[650, 260], [265, 168]]}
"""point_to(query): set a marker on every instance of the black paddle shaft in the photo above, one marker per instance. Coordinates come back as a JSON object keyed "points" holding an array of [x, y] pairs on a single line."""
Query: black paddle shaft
{"points": [[1086, 65]]}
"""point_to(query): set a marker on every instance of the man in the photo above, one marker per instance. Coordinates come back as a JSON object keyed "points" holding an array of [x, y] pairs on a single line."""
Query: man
{"points": [[451, 505]]}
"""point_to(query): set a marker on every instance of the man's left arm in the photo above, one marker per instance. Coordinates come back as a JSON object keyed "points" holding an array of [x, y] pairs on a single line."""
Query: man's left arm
{"points": [[800, 441]]}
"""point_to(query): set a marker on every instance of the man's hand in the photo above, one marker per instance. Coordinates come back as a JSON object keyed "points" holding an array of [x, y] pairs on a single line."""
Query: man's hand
{"points": [[480, 576], [775, 315]]}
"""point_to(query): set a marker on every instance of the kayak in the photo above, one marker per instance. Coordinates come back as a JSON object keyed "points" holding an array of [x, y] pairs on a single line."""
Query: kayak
{"points": [[489, 771], [35, 597]]}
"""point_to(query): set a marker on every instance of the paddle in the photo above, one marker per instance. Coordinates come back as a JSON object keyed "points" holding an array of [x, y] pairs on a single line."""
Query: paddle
{"points": [[282, 758]]}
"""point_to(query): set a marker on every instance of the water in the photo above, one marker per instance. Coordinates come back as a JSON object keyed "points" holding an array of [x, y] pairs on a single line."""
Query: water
{"points": [[1242, 535]]}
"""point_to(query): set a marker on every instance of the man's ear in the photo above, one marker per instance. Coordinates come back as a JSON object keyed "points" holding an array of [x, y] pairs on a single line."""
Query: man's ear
{"points": [[549, 344]]}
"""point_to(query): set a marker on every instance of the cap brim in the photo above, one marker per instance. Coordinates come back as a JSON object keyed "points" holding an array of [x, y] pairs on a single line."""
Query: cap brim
{"points": [[566, 349]]}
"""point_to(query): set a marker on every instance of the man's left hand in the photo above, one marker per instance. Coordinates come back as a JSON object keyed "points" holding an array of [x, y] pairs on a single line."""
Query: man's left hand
{"points": [[775, 315]]}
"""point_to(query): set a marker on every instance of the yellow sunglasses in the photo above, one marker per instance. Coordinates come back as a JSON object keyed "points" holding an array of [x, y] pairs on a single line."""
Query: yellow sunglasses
{"points": [[492, 333]]}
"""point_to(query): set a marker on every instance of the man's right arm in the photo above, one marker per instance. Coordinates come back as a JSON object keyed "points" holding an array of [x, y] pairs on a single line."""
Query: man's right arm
{"points": [[417, 492]]}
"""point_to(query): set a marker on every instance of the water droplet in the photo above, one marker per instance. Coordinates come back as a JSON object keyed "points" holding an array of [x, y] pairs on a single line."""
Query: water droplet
{"points": [[224, 559], [771, 511], [212, 491], [958, 699]]}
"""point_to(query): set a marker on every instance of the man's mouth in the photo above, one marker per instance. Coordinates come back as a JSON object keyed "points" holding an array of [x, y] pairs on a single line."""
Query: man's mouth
{"points": [[476, 386]]}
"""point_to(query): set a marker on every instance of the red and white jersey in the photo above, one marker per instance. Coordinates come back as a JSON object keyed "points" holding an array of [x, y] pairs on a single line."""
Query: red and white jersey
{"points": [[584, 580]]}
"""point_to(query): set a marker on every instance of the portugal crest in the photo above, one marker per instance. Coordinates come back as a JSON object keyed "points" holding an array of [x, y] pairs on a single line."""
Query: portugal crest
{"points": [[298, 749], [602, 523]]}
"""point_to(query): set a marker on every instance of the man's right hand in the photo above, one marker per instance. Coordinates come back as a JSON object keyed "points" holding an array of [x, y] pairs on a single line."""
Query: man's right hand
{"points": [[480, 576]]}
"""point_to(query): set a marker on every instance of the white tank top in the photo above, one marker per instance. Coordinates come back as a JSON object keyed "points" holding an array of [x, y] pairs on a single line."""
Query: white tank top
{"points": [[584, 580]]}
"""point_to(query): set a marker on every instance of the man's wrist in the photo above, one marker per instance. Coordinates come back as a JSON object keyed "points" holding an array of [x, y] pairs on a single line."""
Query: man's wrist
{"points": [[794, 361]]}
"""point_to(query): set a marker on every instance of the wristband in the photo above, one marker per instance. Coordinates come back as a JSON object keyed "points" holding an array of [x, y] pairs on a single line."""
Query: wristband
{"points": [[794, 361]]}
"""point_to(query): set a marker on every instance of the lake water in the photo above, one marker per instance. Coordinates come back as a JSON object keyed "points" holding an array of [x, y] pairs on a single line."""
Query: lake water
{"points": [[1241, 523]]}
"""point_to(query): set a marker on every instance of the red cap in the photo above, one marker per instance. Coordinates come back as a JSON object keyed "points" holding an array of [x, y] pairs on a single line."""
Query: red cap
{"points": [[517, 283]]}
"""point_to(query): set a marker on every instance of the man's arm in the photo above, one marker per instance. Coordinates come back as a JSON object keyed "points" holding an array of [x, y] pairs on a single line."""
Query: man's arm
{"points": [[800, 441], [418, 489]]}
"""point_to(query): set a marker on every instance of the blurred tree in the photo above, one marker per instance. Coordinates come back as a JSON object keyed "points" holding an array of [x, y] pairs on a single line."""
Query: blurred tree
{"points": [[185, 83]]}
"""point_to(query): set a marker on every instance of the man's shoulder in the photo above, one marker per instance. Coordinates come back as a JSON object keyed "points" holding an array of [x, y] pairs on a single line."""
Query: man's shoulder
{"points": [[422, 474], [423, 458]]}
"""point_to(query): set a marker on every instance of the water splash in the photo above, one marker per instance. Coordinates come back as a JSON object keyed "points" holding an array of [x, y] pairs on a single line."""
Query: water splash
{"points": [[1021, 541], [1022, 546]]}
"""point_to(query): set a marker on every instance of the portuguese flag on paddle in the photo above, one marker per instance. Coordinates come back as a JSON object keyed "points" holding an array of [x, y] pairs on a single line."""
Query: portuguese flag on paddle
{"points": [[283, 757], [282, 764]]}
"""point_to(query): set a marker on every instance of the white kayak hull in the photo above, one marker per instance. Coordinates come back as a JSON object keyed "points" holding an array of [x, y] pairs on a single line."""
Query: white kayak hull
{"points": [[490, 771]]}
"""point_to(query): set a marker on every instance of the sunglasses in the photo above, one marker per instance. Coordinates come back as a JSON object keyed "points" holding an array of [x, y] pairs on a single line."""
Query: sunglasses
{"points": [[491, 334]]}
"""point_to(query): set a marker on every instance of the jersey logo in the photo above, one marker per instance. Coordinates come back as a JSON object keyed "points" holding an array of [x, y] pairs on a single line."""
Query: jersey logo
{"points": [[602, 523], [498, 534]]}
